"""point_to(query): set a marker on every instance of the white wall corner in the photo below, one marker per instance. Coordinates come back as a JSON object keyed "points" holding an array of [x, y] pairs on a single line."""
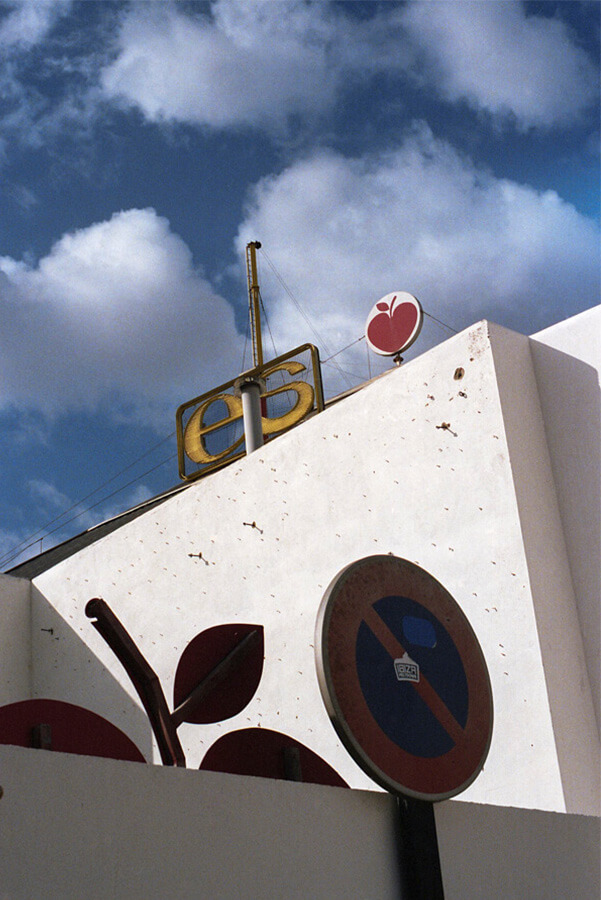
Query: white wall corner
{"points": [[65, 667], [559, 632], [567, 365], [15, 639]]}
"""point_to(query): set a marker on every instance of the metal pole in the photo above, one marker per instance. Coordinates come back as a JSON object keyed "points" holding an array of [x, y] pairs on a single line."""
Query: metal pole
{"points": [[253, 301], [420, 861], [250, 388]]}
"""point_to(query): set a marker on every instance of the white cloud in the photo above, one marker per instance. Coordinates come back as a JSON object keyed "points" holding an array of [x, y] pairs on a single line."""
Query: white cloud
{"points": [[247, 64], [58, 512], [258, 63], [9, 540], [344, 232], [22, 195], [268, 63], [31, 114], [28, 22], [51, 498], [116, 315], [499, 59]]}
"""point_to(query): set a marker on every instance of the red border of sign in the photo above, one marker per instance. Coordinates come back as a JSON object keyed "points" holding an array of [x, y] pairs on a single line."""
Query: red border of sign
{"points": [[349, 597]]}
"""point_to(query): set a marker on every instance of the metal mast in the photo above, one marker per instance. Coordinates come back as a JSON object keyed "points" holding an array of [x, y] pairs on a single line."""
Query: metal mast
{"points": [[253, 302]]}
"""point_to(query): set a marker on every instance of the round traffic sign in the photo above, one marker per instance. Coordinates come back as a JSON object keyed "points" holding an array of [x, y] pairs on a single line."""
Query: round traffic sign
{"points": [[394, 323], [404, 678]]}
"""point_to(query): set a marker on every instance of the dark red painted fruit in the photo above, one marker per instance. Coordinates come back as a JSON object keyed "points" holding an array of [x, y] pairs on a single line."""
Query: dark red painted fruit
{"points": [[390, 332], [56, 725], [268, 754]]}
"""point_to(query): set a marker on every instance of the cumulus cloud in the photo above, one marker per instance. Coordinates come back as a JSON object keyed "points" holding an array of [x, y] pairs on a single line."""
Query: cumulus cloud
{"points": [[27, 23], [116, 315], [267, 64], [48, 86], [259, 63], [246, 63], [343, 232], [51, 501], [497, 58], [59, 512]]}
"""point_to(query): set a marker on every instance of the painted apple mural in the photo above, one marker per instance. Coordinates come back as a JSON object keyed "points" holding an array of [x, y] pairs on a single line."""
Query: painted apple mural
{"points": [[394, 323]]}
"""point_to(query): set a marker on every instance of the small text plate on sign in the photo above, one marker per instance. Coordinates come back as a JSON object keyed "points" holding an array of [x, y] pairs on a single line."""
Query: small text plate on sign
{"points": [[403, 678], [406, 669], [394, 323]]}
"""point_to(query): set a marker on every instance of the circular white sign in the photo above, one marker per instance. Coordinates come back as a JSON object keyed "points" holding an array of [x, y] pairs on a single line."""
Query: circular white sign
{"points": [[394, 323]]}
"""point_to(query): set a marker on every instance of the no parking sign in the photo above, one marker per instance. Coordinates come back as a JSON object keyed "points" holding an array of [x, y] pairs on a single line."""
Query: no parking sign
{"points": [[404, 678]]}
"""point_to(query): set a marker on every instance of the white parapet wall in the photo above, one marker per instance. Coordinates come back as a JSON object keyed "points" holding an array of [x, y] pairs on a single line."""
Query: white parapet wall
{"points": [[514, 854], [558, 627], [101, 829], [443, 462], [75, 826]]}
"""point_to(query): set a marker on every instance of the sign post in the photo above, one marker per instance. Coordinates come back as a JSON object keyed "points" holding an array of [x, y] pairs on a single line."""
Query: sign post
{"points": [[406, 686]]}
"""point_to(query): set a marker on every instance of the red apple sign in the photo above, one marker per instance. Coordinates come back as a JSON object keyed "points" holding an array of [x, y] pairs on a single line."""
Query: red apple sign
{"points": [[394, 323]]}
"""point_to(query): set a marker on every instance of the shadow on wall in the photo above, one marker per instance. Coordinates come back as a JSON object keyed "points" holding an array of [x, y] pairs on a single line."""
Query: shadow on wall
{"points": [[570, 398], [64, 667]]}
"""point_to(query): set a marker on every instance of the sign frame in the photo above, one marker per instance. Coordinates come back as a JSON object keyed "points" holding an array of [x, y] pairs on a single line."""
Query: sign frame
{"points": [[226, 390], [348, 599]]}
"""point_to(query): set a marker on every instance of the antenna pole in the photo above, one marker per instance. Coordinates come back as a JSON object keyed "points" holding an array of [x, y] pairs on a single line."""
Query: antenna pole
{"points": [[253, 302]]}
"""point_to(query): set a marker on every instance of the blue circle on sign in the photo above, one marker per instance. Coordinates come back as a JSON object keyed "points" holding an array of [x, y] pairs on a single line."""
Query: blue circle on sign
{"points": [[388, 685]]}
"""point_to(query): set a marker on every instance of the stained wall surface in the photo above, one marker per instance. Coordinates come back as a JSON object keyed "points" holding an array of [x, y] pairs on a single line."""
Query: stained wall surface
{"points": [[443, 462]]}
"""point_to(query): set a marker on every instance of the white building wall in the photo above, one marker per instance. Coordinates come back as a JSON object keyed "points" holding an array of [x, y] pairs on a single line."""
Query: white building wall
{"points": [[497, 852], [99, 829], [78, 827], [15, 639], [375, 473], [557, 623], [64, 667], [567, 362]]}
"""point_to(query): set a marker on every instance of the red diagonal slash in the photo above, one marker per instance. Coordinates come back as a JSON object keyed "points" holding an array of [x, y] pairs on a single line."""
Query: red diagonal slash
{"points": [[423, 687]]}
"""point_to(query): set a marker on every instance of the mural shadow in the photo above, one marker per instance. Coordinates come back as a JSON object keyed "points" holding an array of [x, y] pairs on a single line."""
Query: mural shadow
{"points": [[64, 667]]}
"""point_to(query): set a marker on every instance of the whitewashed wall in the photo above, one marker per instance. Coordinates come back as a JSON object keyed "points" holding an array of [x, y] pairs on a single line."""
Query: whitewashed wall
{"points": [[495, 852], [73, 826], [474, 504], [100, 829], [567, 363], [15, 639]]}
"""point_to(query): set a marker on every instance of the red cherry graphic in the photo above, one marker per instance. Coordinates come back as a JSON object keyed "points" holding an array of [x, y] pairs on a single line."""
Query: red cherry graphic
{"points": [[390, 332], [262, 752], [69, 729]]}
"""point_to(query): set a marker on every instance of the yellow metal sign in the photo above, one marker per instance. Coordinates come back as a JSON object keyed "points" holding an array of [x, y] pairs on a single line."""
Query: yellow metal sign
{"points": [[209, 428]]}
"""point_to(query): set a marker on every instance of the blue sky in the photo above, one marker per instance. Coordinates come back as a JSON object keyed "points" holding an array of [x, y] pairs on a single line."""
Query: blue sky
{"points": [[446, 149]]}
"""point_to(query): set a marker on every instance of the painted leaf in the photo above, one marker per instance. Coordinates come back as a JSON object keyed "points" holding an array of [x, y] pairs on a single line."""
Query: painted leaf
{"points": [[218, 673]]}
